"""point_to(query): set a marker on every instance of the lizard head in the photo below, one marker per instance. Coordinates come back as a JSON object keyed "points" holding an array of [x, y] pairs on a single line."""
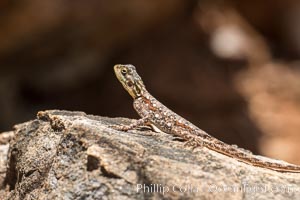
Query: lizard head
{"points": [[130, 80]]}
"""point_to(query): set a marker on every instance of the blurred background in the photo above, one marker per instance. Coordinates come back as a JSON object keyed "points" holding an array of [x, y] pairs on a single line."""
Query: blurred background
{"points": [[230, 67]]}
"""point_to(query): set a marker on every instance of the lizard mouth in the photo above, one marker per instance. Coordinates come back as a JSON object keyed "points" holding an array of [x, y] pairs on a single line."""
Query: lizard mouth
{"points": [[117, 69]]}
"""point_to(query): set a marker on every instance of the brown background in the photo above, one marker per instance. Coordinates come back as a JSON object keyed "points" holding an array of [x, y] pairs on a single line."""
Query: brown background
{"points": [[58, 54]]}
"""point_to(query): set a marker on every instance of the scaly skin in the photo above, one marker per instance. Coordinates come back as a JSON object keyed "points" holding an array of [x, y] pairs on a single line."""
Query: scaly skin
{"points": [[155, 113]]}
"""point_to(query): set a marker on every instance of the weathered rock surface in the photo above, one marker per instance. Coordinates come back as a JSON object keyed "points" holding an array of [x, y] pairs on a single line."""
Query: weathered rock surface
{"points": [[71, 155]]}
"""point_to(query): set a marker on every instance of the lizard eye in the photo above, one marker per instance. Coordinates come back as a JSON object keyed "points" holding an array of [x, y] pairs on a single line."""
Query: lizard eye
{"points": [[124, 71]]}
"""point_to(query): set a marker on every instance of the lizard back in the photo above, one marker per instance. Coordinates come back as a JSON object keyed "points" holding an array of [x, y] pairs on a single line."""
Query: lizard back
{"points": [[170, 122]]}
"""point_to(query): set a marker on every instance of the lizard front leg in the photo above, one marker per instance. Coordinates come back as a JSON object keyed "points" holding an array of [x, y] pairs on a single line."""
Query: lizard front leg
{"points": [[140, 122]]}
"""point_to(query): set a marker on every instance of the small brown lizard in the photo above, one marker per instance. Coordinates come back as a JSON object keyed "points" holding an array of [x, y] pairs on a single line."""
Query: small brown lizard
{"points": [[153, 112]]}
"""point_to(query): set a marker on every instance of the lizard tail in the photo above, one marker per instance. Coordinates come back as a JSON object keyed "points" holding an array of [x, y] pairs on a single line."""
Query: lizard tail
{"points": [[248, 158]]}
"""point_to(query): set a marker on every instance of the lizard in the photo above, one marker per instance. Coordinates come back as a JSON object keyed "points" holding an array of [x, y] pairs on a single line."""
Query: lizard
{"points": [[153, 112]]}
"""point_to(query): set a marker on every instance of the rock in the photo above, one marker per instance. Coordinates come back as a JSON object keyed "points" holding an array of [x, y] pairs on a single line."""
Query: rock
{"points": [[4, 145], [71, 155]]}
